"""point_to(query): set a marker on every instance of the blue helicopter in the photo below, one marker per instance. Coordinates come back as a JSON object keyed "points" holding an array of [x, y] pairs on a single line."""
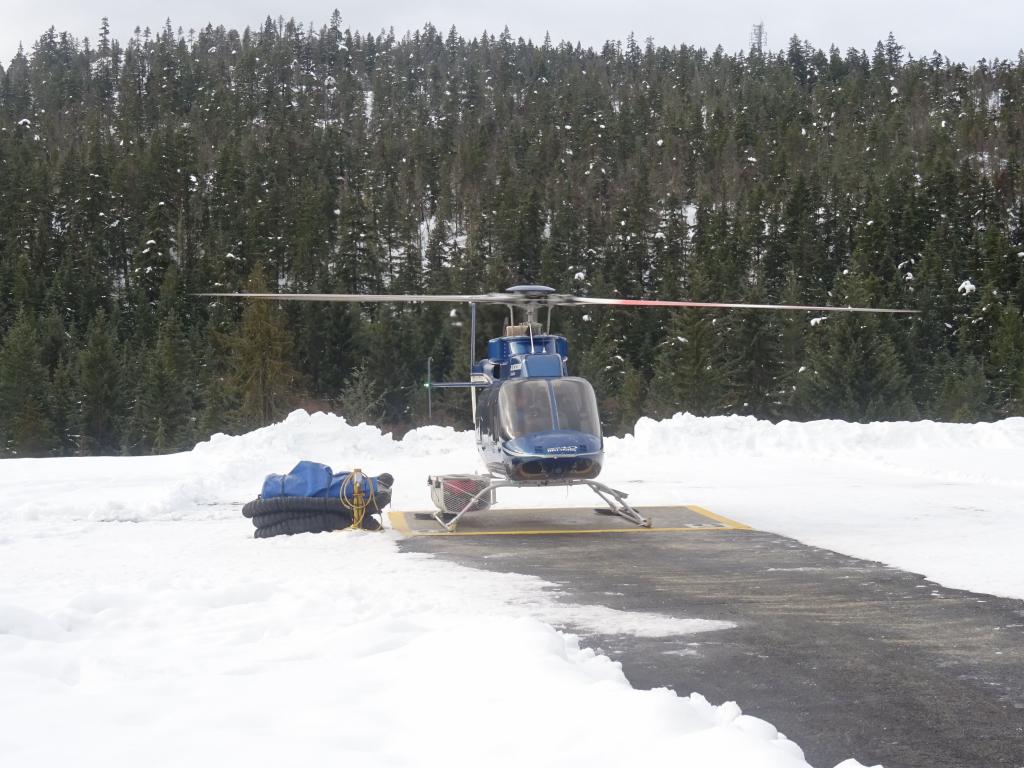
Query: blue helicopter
{"points": [[535, 424]]}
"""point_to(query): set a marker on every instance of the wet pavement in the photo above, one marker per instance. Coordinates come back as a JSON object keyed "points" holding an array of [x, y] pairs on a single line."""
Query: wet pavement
{"points": [[848, 658]]}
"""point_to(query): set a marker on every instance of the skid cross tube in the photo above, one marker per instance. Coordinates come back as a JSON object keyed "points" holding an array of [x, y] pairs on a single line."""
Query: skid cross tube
{"points": [[615, 499]]}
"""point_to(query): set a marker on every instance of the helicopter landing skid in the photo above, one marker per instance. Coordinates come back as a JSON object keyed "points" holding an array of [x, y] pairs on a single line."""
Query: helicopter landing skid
{"points": [[615, 499]]}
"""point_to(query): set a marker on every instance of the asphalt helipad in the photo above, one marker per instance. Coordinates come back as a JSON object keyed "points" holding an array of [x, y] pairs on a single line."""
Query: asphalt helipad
{"points": [[847, 657]]}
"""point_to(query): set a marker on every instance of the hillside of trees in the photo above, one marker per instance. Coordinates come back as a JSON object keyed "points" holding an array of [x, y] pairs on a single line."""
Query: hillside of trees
{"points": [[135, 174]]}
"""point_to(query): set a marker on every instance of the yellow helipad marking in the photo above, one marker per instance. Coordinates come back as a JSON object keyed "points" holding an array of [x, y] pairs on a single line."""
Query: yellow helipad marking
{"points": [[731, 525], [400, 523]]}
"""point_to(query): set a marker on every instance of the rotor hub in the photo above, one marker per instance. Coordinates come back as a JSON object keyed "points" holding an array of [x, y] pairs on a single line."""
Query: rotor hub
{"points": [[531, 291]]}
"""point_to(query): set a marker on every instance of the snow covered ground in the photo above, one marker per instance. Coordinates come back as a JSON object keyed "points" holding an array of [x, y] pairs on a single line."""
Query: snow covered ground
{"points": [[141, 624]]}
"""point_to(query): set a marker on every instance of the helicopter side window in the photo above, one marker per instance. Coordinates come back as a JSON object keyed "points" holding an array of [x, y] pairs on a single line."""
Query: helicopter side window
{"points": [[524, 407], [483, 413], [576, 405]]}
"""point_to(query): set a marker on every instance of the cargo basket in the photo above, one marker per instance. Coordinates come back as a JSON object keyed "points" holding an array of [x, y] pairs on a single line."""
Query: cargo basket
{"points": [[451, 493]]}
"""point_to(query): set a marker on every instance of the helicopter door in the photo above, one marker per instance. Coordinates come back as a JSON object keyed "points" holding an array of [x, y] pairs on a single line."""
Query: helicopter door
{"points": [[485, 415]]}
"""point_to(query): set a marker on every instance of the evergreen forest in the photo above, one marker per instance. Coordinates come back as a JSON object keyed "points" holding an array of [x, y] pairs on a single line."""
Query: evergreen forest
{"points": [[136, 173]]}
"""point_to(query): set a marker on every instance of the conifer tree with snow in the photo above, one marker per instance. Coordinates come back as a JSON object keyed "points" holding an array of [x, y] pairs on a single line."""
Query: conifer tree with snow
{"points": [[330, 159]]}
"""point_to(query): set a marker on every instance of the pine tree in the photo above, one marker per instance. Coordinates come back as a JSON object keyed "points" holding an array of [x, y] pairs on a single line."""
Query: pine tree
{"points": [[99, 389], [632, 398], [263, 376], [964, 395], [26, 426], [688, 373], [163, 418], [753, 362], [854, 371], [215, 414], [360, 400], [602, 365], [1006, 363]]}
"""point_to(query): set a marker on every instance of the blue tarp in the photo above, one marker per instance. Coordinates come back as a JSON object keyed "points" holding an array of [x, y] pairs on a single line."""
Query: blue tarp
{"points": [[309, 478]]}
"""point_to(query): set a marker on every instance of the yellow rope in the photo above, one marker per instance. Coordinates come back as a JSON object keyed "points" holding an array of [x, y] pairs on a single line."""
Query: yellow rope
{"points": [[358, 503]]}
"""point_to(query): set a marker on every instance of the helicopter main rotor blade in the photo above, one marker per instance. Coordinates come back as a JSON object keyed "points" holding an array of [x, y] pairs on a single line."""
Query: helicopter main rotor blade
{"points": [[487, 298], [551, 299], [722, 305]]}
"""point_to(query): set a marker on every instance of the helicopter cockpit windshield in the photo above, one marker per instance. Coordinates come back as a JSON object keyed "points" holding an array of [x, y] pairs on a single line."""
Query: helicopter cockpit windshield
{"points": [[527, 407], [576, 406]]}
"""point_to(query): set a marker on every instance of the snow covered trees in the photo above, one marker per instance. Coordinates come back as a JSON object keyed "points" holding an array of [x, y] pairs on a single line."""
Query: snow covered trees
{"points": [[339, 161]]}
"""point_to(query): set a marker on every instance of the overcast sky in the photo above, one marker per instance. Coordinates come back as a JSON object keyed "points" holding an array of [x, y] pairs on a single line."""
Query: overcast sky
{"points": [[964, 31]]}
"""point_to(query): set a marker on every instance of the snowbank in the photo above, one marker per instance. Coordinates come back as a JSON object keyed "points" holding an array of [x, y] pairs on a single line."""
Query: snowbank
{"points": [[964, 452], [943, 500]]}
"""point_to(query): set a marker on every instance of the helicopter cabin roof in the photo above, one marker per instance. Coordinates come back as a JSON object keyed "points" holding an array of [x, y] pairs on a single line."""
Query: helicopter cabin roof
{"points": [[514, 357]]}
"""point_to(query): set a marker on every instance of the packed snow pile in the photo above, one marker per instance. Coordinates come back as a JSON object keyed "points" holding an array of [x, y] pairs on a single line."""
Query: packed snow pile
{"points": [[728, 435], [205, 482], [141, 624]]}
